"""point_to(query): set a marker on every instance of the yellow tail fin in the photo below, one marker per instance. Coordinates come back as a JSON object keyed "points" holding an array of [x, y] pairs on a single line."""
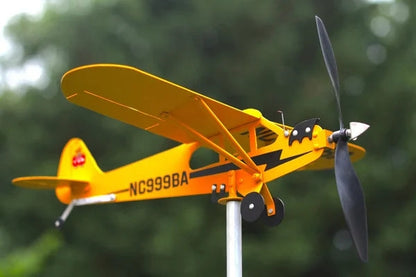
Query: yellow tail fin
{"points": [[77, 162], [76, 168]]}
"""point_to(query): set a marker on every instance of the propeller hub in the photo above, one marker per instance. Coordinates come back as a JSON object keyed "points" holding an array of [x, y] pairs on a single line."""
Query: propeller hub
{"points": [[355, 130], [343, 134]]}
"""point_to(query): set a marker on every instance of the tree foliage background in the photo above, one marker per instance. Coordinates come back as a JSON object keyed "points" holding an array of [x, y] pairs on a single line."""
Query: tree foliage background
{"points": [[261, 54]]}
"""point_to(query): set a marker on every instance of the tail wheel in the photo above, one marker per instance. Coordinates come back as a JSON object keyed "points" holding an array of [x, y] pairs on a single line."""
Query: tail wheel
{"points": [[252, 207], [277, 218]]}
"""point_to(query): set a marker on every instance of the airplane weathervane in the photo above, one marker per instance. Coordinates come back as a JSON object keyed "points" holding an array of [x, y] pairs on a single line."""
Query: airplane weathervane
{"points": [[251, 151]]}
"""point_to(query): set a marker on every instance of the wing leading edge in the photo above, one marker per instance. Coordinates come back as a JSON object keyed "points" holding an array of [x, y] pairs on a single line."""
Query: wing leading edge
{"points": [[148, 102]]}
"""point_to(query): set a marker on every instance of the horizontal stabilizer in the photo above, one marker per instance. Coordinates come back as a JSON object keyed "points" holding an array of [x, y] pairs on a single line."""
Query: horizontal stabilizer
{"points": [[45, 182]]}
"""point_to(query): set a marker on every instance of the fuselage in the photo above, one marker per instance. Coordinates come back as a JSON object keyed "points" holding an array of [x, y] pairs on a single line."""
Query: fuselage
{"points": [[172, 173]]}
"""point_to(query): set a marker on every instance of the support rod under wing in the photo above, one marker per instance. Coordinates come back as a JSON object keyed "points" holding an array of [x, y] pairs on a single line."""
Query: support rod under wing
{"points": [[214, 146], [230, 137]]}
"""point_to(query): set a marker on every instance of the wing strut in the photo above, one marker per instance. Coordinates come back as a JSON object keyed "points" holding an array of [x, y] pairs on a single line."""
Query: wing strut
{"points": [[228, 135], [213, 145]]}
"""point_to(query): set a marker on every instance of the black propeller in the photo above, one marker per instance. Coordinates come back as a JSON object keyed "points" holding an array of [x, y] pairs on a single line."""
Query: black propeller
{"points": [[349, 187]]}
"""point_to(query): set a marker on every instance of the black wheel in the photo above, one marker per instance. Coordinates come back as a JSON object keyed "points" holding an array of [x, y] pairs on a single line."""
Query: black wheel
{"points": [[252, 207], [277, 218]]}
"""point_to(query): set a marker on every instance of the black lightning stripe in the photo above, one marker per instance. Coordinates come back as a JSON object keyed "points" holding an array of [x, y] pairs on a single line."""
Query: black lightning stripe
{"points": [[120, 191], [271, 159]]}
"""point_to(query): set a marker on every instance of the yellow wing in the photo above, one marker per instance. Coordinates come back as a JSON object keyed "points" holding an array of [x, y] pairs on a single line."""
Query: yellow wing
{"points": [[148, 102]]}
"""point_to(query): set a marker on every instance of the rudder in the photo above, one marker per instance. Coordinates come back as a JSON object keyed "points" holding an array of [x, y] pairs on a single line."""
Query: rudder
{"points": [[76, 163]]}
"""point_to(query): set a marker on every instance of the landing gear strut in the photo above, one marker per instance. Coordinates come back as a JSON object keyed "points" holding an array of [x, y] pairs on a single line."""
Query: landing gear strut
{"points": [[277, 218]]}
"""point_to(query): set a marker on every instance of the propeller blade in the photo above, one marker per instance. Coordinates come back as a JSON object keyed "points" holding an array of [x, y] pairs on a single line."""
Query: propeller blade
{"points": [[352, 199], [330, 63], [349, 188]]}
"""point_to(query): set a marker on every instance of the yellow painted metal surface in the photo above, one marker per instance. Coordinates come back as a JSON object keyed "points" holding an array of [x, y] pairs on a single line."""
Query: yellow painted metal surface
{"points": [[251, 150], [143, 100], [47, 182]]}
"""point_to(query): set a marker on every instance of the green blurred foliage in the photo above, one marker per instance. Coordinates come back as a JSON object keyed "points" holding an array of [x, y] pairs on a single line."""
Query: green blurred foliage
{"points": [[30, 260], [261, 54]]}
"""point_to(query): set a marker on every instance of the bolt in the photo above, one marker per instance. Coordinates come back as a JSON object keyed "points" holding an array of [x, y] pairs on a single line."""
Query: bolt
{"points": [[270, 211], [294, 133], [251, 206], [164, 115]]}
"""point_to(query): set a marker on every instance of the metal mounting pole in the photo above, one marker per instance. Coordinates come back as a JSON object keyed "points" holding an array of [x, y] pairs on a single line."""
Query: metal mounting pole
{"points": [[234, 249]]}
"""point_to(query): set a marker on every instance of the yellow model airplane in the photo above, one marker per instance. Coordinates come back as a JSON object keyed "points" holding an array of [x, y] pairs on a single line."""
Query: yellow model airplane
{"points": [[251, 151]]}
